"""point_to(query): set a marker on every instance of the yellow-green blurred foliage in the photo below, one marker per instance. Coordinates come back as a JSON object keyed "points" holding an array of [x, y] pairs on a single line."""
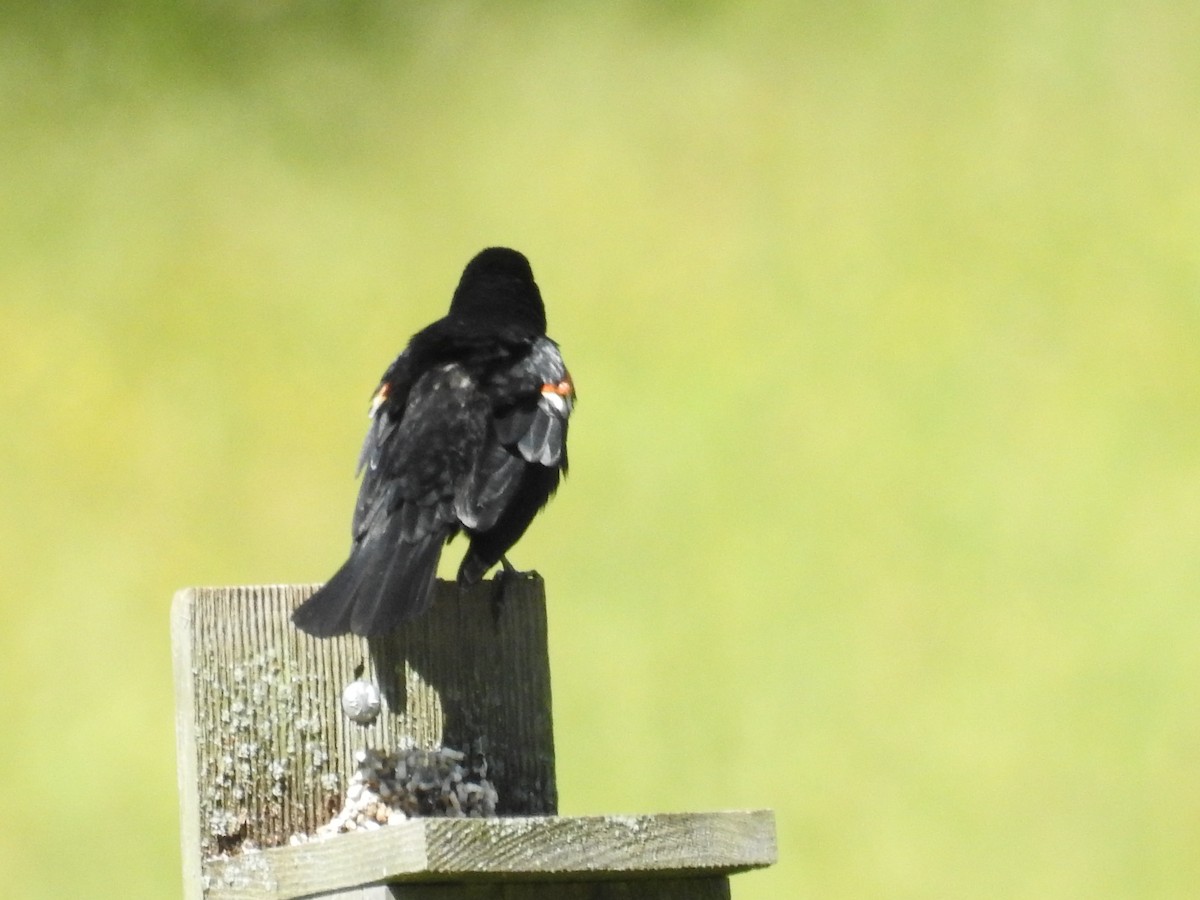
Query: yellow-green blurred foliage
{"points": [[885, 492]]}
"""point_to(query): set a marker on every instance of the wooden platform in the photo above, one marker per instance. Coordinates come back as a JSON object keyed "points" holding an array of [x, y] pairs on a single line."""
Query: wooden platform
{"points": [[266, 754], [541, 849]]}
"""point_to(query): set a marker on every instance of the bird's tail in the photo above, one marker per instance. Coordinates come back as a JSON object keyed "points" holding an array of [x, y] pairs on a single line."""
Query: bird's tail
{"points": [[384, 582]]}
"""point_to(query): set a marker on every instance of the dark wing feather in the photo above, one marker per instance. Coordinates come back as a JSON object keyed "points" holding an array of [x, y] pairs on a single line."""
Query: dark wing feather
{"points": [[493, 485], [530, 415], [545, 441], [521, 468], [417, 461], [387, 409]]}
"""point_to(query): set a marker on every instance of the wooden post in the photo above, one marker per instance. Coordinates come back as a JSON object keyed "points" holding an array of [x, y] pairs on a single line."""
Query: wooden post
{"points": [[267, 754]]}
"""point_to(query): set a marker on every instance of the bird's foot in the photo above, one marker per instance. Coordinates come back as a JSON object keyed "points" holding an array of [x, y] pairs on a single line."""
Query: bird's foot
{"points": [[501, 582]]}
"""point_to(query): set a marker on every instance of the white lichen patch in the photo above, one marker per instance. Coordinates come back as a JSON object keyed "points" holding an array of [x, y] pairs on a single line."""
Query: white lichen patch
{"points": [[258, 735]]}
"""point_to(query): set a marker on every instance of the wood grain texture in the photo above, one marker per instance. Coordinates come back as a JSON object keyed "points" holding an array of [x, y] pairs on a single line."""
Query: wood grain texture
{"points": [[714, 887], [710, 888], [696, 888], [265, 751], [555, 849]]}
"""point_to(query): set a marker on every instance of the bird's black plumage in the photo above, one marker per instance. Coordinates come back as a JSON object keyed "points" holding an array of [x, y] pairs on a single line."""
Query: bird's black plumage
{"points": [[468, 433]]}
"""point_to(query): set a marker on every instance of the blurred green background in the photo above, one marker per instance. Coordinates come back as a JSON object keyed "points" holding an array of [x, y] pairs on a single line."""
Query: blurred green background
{"points": [[885, 487]]}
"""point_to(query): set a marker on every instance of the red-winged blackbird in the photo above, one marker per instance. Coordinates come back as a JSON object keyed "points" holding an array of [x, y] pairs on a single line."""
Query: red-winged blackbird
{"points": [[468, 433]]}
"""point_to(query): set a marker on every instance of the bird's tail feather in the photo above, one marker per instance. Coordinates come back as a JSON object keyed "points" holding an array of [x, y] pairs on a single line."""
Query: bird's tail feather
{"points": [[327, 612], [402, 590], [383, 583]]}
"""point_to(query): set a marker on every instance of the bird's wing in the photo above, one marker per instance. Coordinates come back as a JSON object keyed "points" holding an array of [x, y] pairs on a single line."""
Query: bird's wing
{"points": [[419, 456], [532, 400], [416, 458], [387, 409]]}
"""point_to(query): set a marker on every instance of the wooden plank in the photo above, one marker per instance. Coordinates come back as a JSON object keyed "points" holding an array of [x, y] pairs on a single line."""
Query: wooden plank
{"points": [[265, 751], [711, 888], [700, 888], [512, 849], [185, 747]]}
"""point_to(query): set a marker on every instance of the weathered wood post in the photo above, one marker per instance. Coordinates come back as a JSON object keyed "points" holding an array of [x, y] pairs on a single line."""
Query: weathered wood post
{"points": [[443, 790]]}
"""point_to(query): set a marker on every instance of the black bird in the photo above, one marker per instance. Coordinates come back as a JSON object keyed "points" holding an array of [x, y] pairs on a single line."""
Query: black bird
{"points": [[468, 433]]}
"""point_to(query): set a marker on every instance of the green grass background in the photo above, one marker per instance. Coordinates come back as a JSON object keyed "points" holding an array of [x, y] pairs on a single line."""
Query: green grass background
{"points": [[885, 491]]}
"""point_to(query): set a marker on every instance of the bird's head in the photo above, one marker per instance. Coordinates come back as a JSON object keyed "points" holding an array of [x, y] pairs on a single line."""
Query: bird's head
{"points": [[497, 286]]}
